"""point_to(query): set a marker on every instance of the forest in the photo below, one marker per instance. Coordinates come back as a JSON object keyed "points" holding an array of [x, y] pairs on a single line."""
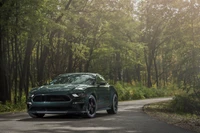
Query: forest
{"points": [[154, 43]]}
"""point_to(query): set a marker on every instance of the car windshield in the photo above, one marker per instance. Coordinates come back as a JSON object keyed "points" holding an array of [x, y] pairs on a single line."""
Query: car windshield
{"points": [[74, 79]]}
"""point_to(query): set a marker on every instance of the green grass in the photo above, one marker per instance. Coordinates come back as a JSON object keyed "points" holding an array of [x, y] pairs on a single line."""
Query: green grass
{"points": [[10, 107], [188, 103], [133, 92]]}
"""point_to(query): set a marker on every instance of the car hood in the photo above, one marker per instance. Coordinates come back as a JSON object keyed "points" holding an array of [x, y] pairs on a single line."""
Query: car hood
{"points": [[58, 88]]}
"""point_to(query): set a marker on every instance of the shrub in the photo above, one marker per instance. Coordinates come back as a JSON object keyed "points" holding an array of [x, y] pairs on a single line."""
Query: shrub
{"points": [[11, 107], [188, 103], [129, 92]]}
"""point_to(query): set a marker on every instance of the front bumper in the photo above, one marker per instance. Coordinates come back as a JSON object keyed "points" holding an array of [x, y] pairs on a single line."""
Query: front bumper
{"points": [[73, 106]]}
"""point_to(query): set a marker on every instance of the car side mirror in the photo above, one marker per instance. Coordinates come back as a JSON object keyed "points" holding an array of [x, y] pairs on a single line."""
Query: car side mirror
{"points": [[102, 83]]}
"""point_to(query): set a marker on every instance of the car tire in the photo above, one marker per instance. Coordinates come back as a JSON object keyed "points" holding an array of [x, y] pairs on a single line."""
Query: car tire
{"points": [[114, 106], [34, 115], [91, 107]]}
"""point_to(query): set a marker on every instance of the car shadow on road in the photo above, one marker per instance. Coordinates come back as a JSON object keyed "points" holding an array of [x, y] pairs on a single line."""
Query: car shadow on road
{"points": [[64, 117]]}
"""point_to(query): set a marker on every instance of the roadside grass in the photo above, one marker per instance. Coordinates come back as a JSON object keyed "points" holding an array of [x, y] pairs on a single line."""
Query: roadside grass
{"points": [[11, 107], [133, 92], [165, 111]]}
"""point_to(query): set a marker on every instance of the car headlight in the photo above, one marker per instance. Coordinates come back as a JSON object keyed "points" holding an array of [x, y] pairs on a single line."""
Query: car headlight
{"points": [[76, 95]]}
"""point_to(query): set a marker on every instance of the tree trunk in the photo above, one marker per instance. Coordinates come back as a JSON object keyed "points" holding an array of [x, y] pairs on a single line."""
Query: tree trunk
{"points": [[70, 59], [118, 66], [148, 66], [156, 72], [4, 96], [24, 76], [41, 65], [3, 79], [137, 71]]}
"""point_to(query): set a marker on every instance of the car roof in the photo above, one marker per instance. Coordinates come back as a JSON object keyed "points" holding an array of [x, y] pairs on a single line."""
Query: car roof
{"points": [[88, 73]]}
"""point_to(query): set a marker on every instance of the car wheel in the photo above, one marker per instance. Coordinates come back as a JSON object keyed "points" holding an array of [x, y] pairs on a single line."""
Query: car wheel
{"points": [[34, 115], [114, 106], [91, 107]]}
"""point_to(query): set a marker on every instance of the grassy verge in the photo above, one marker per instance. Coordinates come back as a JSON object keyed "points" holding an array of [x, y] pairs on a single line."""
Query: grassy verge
{"points": [[11, 107], [164, 111], [132, 92]]}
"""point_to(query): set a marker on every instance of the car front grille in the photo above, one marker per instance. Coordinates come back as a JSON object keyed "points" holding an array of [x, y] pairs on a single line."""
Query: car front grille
{"points": [[51, 98]]}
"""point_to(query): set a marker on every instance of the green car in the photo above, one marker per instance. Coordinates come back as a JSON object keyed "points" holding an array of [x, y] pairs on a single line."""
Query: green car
{"points": [[75, 93]]}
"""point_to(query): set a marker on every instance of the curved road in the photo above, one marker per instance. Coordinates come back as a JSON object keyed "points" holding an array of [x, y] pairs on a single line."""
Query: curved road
{"points": [[130, 119]]}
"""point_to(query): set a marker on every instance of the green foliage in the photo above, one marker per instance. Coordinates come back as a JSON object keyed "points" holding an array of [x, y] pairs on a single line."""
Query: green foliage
{"points": [[14, 107], [189, 103], [11, 107], [132, 92]]}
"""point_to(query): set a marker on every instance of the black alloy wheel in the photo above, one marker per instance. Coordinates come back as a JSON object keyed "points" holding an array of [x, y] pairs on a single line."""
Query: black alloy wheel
{"points": [[114, 106], [91, 107]]}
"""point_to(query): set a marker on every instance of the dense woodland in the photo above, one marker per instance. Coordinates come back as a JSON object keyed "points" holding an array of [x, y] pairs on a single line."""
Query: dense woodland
{"points": [[155, 43]]}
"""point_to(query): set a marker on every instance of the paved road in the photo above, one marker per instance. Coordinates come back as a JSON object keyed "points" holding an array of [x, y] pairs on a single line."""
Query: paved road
{"points": [[130, 119]]}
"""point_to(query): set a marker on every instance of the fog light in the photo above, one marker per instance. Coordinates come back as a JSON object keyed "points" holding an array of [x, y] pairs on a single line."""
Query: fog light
{"points": [[78, 102]]}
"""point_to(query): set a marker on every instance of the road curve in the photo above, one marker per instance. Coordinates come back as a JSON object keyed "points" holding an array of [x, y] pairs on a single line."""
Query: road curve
{"points": [[130, 119]]}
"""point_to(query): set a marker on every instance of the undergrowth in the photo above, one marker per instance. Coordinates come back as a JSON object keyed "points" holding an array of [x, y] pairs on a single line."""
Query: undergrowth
{"points": [[11, 107], [187, 103], [130, 92], [182, 104]]}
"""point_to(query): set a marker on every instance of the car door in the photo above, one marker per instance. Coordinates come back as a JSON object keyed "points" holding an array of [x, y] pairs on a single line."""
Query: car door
{"points": [[103, 92]]}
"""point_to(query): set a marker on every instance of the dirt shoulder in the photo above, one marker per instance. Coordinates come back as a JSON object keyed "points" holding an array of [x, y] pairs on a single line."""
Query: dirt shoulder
{"points": [[161, 112]]}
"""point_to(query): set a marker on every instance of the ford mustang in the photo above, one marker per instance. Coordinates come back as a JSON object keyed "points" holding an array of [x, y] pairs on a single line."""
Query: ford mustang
{"points": [[74, 93]]}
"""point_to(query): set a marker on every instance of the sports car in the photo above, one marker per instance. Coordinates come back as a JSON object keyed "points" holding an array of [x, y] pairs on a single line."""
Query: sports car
{"points": [[74, 93]]}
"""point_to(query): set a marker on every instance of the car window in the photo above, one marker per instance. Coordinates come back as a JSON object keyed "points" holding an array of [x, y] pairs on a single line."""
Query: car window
{"points": [[74, 79], [100, 79]]}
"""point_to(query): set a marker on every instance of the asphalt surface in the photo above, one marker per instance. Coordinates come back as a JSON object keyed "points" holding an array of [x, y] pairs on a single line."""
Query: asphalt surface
{"points": [[130, 119]]}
